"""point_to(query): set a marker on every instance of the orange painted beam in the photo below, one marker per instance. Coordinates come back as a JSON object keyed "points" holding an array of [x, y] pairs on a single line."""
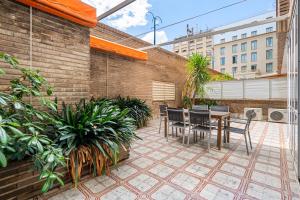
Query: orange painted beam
{"points": [[105, 45], [73, 10]]}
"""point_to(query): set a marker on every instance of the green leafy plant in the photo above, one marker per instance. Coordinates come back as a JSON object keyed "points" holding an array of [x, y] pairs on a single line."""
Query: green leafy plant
{"points": [[92, 133], [22, 125], [137, 109], [222, 77], [198, 76], [187, 102]]}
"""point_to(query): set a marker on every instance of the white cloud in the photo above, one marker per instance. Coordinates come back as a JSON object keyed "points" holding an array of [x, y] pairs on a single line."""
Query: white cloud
{"points": [[130, 16], [161, 37]]}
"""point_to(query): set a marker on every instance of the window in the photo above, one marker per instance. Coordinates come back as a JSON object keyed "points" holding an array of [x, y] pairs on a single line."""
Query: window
{"points": [[253, 57], [253, 33], [269, 67], [177, 51], [269, 29], [234, 59], [243, 58], [163, 91], [234, 70], [223, 40], [244, 46], [222, 61], [234, 48], [244, 35], [254, 45], [269, 54], [234, 37], [222, 51], [253, 68], [243, 68], [269, 41], [223, 70], [183, 50]]}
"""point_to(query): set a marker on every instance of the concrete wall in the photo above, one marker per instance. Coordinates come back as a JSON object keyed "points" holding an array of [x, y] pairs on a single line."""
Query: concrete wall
{"points": [[113, 75], [60, 49]]}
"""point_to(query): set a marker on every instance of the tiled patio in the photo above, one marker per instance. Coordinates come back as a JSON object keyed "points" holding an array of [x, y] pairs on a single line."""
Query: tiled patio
{"points": [[169, 170]]}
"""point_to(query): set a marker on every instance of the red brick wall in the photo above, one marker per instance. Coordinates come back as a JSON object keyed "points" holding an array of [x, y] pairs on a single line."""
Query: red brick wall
{"points": [[60, 49]]}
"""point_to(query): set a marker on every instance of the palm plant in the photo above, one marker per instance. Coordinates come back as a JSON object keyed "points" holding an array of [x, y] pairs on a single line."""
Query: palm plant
{"points": [[92, 133], [137, 109], [198, 76]]}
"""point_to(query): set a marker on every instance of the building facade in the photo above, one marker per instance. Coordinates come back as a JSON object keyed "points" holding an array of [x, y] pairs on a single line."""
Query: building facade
{"points": [[248, 57], [203, 46]]}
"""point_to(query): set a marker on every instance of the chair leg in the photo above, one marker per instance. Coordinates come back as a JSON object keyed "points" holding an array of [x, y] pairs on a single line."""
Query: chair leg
{"points": [[188, 140], [183, 135], [208, 141], [176, 132], [249, 139], [246, 143], [159, 125], [172, 131]]}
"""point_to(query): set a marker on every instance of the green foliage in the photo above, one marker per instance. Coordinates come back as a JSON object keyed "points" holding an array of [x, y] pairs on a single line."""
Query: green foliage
{"points": [[137, 109], [22, 125], [92, 133], [198, 76], [222, 77], [187, 102], [207, 102]]}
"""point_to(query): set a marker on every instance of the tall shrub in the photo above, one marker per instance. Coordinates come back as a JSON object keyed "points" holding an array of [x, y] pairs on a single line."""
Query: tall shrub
{"points": [[198, 76]]}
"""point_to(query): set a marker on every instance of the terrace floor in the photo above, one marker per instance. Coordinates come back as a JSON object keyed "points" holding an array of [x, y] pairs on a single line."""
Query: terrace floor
{"points": [[164, 170]]}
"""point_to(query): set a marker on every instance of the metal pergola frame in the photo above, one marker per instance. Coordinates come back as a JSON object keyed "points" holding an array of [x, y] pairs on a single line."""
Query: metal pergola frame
{"points": [[115, 9]]}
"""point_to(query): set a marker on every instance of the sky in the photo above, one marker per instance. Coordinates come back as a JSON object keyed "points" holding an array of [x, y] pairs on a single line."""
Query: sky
{"points": [[135, 19]]}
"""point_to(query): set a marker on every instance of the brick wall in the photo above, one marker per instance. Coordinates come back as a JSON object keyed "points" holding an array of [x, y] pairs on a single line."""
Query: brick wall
{"points": [[113, 75], [60, 48]]}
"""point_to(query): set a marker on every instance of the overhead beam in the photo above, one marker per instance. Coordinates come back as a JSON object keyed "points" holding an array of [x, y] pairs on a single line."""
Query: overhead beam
{"points": [[220, 31], [115, 9]]}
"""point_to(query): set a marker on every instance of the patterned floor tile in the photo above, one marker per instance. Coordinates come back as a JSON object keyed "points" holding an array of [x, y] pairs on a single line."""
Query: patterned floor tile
{"points": [[185, 181], [233, 169], [176, 162], [167, 192], [119, 193], [143, 182], [212, 192], [198, 170], [157, 169], [98, 184], [124, 171], [260, 192], [161, 170]]}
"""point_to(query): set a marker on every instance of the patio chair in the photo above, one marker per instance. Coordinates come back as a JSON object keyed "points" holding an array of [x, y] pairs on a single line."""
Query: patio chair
{"points": [[176, 119], [244, 131], [200, 107], [200, 121], [162, 114], [219, 109]]}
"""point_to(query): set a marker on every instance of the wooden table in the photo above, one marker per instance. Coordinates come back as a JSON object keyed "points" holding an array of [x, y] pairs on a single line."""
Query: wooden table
{"points": [[220, 116]]}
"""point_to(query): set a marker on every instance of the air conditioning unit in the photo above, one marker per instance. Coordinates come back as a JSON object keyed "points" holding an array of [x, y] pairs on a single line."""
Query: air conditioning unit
{"points": [[257, 116], [277, 115]]}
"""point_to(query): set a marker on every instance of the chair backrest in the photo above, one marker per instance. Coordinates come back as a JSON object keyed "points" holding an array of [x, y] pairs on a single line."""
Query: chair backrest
{"points": [[220, 108], [200, 107], [175, 115], [251, 115], [163, 109], [199, 118]]}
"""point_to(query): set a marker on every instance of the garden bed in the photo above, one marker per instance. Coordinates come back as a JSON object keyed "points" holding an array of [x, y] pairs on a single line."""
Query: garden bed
{"points": [[20, 181]]}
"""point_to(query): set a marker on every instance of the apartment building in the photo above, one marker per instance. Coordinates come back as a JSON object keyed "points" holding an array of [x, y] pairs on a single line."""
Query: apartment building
{"points": [[247, 53], [203, 46]]}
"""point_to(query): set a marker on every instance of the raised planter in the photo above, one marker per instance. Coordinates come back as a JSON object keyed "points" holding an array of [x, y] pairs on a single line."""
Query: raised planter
{"points": [[20, 181]]}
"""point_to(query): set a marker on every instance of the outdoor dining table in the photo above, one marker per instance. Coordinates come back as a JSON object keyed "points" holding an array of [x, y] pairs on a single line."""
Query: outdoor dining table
{"points": [[220, 116]]}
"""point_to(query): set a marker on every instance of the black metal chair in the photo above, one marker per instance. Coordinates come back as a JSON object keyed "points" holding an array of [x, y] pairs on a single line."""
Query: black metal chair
{"points": [[162, 114], [200, 107], [244, 131], [200, 121], [219, 109], [176, 119]]}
